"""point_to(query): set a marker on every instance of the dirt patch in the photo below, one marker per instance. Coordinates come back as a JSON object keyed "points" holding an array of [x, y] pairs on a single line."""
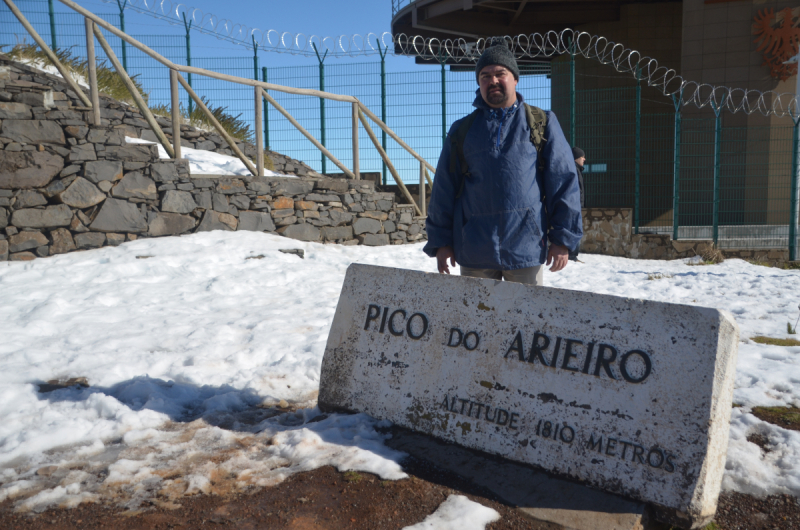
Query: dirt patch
{"points": [[760, 440], [319, 499], [786, 417], [737, 511], [775, 342]]}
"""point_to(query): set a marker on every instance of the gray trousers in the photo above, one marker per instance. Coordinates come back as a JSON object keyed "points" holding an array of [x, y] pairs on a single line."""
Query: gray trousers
{"points": [[529, 275]]}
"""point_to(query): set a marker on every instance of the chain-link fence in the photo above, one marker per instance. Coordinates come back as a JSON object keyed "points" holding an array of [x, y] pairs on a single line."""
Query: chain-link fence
{"points": [[692, 175]]}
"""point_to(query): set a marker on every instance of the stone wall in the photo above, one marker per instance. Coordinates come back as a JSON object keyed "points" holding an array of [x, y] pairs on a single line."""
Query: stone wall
{"points": [[609, 231], [67, 185]]}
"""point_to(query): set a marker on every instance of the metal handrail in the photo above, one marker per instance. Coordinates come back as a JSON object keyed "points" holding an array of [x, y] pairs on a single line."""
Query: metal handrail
{"points": [[174, 148]]}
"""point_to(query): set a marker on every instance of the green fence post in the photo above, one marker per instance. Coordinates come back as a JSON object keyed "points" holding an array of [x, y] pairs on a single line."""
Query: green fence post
{"points": [[266, 112], [676, 178], [321, 102], [122, 6], [383, 103], [188, 26], [572, 103], [444, 101], [717, 165], [255, 58], [637, 156], [793, 194], [52, 25]]}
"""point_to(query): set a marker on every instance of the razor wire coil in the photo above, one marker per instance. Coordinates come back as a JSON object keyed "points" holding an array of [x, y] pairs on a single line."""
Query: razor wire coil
{"points": [[524, 46]]}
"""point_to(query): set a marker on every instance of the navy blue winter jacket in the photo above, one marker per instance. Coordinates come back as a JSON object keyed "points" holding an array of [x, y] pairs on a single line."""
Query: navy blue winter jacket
{"points": [[507, 211]]}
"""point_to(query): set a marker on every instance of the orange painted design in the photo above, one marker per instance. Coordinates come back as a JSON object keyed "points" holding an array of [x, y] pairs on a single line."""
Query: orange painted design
{"points": [[778, 37]]}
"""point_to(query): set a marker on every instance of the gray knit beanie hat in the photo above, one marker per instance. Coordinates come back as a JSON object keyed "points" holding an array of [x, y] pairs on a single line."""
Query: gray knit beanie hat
{"points": [[498, 54]]}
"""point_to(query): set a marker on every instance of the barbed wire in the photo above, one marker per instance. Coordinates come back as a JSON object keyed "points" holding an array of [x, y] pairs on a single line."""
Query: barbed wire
{"points": [[532, 46]]}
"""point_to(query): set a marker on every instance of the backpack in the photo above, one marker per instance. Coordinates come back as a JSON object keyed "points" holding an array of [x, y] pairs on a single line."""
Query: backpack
{"points": [[537, 121]]}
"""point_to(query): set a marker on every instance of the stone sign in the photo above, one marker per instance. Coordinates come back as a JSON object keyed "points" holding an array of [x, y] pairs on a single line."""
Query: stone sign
{"points": [[629, 396]]}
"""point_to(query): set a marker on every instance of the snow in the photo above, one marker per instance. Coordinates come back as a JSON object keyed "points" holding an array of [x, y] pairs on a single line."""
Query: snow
{"points": [[207, 162], [458, 513], [190, 344]]}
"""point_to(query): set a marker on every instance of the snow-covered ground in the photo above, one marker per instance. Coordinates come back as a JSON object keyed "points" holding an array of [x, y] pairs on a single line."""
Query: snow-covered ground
{"points": [[188, 341]]}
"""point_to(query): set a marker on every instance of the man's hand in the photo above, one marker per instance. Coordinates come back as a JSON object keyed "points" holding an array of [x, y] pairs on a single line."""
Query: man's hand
{"points": [[442, 255], [556, 254]]}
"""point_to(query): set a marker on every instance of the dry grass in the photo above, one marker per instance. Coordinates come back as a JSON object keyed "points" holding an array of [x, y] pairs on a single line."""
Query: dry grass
{"points": [[712, 255], [659, 276], [775, 342]]}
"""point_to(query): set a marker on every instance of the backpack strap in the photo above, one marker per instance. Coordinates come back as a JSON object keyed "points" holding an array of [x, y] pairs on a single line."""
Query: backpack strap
{"points": [[457, 158], [537, 121]]}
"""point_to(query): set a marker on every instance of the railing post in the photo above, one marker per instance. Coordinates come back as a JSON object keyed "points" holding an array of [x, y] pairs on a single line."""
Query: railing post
{"points": [[321, 102], [259, 138], [676, 177], [356, 161], [176, 113], [122, 6], [188, 25], [266, 111], [383, 103], [422, 190], [52, 25], [793, 193], [91, 63], [638, 154], [717, 166]]}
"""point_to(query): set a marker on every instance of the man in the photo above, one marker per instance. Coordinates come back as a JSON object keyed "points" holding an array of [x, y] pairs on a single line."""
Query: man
{"points": [[497, 219], [580, 161]]}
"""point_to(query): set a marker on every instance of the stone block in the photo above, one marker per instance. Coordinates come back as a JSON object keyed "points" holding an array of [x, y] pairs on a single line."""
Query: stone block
{"points": [[22, 256], [683, 246], [284, 221], [135, 186], [50, 217], [175, 201], [164, 172], [334, 185], [309, 214], [203, 199], [306, 205], [339, 217], [97, 171], [81, 194], [76, 131], [220, 202], [231, 186], [303, 232], [652, 424], [213, 220], [26, 241], [277, 214], [80, 153], [380, 216], [356, 207], [3, 250], [3, 218], [389, 227], [170, 224], [90, 240], [119, 216], [405, 218], [413, 229], [256, 221], [316, 197], [115, 240], [373, 240], [29, 199], [283, 203], [242, 202], [384, 205], [131, 153], [14, 111], [28, 169], [334, 233], [292, 186], [364, 225], [36, 99], [61, 241]]}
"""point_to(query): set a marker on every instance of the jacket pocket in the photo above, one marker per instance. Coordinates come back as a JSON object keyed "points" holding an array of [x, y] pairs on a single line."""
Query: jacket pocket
{"points": [[500, 240]]}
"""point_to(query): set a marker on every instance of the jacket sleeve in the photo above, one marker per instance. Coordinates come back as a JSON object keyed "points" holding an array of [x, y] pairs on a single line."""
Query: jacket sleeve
{"points": [[561, 188], [439, 224]]}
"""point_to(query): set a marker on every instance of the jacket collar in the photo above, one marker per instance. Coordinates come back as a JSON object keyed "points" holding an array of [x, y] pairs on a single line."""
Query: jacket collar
{"points": [[481, 104]]}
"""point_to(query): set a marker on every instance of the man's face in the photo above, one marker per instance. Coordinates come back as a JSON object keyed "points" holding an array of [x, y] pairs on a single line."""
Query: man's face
{"points": [[581, 161], [498, 86]]}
